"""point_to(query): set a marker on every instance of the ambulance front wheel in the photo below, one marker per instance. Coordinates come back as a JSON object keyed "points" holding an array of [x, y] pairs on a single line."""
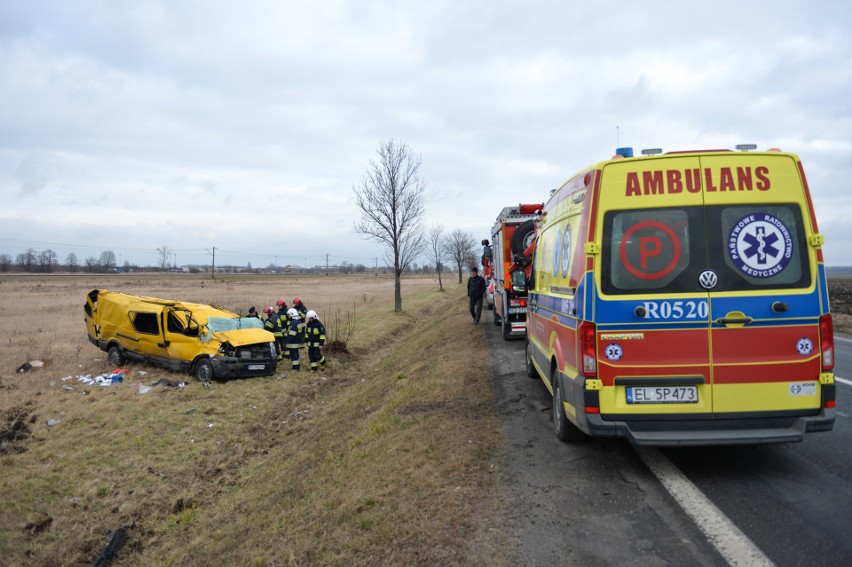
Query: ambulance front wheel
{"points": [[565, 430]]}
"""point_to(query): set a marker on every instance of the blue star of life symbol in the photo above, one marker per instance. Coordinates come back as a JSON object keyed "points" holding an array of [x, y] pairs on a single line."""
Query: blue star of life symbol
{"points": [[761, 245]]}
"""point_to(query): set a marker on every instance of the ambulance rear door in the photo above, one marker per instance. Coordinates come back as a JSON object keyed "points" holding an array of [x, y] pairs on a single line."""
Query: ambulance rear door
{"points": [[652, 317], [761, 279]]}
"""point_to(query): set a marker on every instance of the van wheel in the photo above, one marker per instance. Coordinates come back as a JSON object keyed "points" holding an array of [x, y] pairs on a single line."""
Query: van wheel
{"points": [[204, 371], [565, 430], [507, 329], [114, 356], [531, 371]]}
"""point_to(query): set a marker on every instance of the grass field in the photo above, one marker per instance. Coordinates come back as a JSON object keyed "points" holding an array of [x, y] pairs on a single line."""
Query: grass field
{"points": [[379, 460]]}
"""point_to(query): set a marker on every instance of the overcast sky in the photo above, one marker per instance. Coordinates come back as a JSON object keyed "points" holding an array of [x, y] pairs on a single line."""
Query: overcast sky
{"points": [[192, 124]]}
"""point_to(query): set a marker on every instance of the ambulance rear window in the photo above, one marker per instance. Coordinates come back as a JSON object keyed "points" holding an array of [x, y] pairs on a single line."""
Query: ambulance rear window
{"points": [[753, 247], [758, 246], [651, 250]]}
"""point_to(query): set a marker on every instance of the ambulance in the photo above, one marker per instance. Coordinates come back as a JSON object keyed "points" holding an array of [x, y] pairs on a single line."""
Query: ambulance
{"points": [[681, 299]]}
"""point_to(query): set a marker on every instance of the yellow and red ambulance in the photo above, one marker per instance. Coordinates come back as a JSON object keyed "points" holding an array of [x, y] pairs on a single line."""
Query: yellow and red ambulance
{"points": [[681, 299]]}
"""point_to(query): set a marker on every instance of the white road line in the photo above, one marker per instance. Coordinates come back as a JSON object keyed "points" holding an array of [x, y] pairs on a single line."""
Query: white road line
{"points": [[844, 380], [727, 538], [842, 339]]}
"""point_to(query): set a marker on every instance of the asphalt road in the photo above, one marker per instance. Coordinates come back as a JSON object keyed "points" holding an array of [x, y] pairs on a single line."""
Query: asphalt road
{"points": [[598, 503]]}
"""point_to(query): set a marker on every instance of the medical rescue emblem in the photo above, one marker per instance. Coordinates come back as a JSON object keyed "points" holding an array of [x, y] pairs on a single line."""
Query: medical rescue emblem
{"points": [[804, 346], [614, 352], [566, 251], [708, 279], [761, 245]]}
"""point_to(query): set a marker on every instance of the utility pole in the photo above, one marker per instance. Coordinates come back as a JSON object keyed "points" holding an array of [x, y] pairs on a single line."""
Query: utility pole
{"points": [[213, 265], [326, 265]]}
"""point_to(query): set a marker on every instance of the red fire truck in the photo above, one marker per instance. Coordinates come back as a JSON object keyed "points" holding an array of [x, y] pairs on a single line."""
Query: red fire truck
{"points": [[512, 238]]}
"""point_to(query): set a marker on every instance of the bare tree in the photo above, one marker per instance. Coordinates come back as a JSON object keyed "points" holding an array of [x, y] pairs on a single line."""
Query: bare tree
{"points": [[460, 246], [47, 260], [71, 262], [163, 254], [435, 249], [27, 260], [107, 260], [5, 262], [92, 264], [390, 198]]}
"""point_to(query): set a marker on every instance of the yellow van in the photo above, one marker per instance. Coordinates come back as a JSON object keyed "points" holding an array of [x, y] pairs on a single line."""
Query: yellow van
{"points": [[207, 341], [681, 299]]}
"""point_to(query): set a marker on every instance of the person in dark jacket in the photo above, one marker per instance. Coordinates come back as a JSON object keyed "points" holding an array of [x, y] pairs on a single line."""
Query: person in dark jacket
{"points": [[273, 325], [300, 307], [284, 327], [295, 338], [315, 335], [475, 290]]}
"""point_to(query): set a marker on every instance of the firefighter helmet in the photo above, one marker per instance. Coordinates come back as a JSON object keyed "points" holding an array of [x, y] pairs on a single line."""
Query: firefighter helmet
{"points": [[281, 303], [268, 310], [292, 313], [297, 300], [311, 314]]}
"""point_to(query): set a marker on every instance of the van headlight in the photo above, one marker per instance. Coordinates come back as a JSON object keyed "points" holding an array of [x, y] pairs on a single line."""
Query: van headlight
{"points": [[272, 352]]}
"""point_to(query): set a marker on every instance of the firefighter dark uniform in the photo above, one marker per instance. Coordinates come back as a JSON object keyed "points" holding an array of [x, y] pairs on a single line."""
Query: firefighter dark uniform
{"points": [[295, 338], [315, 337], [300, 307], [273, 325], [284, 326], [253, 313]]}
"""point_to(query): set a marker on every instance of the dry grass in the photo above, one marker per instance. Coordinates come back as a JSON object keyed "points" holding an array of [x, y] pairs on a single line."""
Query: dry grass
{"points": [[380, 460]]}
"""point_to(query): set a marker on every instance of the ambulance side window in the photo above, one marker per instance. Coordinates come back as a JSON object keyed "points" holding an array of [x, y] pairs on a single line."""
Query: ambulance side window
{"points": [[650, 250], [758, 246]]}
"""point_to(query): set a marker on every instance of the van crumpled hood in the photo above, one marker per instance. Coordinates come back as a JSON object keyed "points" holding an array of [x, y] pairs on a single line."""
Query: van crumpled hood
{"points": [[242, 337]]}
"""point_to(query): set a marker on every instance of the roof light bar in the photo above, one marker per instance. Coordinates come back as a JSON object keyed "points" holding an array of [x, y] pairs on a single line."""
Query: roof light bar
{"points": [[746, 147]]}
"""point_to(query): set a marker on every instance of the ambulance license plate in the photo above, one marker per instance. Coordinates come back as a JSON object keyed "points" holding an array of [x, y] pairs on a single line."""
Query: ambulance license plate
{"points": [[257, 367], [662, 394]]}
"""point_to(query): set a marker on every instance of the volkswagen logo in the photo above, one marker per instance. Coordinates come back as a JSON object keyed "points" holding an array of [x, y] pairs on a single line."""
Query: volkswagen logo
{"points": [[708, 279]]}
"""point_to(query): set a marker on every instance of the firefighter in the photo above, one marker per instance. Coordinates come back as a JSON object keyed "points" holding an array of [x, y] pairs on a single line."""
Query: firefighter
{"points": [[284, 325], [295, 338], [273, 325], [487, 257], [315, 336], [253, 313], [300, 307]]}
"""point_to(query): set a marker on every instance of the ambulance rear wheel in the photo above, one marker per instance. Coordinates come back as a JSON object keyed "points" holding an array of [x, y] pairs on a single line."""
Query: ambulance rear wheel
{"points": [[507, 329], [114, 356], [531, 371], [565, 430]]}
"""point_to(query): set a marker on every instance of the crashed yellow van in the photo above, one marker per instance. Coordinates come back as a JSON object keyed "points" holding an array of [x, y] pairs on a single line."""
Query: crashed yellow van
{"points": [[206, 341]]}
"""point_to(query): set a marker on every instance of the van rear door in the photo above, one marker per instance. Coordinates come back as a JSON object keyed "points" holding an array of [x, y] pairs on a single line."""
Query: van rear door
{"points": [[652, 318], [765, 305]]}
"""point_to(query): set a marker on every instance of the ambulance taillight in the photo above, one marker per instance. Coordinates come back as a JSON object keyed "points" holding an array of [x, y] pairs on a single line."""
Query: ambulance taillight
{"points": [[826, 337], [588, 352]]}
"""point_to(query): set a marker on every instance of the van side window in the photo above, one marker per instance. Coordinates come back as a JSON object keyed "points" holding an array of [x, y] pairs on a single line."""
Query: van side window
{"points": [[174, 325], [650, 249], [146, 323]]}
